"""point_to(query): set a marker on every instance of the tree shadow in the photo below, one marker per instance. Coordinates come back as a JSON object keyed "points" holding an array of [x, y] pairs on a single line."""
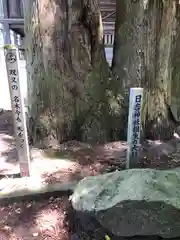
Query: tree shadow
{"points": [[89, 162], [114, 152], [6, 122], [86, 227], [160, 155], [112, 156], [10, 155], [28, 214], [43, 216], [51, 216], [8, 152], [7, 143]]}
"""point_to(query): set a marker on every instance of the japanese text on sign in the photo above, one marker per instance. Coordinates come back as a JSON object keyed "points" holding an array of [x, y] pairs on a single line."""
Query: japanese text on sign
{"points": [[136, 125], [13, 75], [17, 103]]}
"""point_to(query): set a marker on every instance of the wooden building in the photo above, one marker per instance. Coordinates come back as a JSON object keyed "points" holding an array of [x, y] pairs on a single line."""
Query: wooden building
{"points": [[11, 22], [108, 12]]}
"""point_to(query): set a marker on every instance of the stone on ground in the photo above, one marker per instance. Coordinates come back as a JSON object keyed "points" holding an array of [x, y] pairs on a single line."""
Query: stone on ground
{"points": [[133, 202]]}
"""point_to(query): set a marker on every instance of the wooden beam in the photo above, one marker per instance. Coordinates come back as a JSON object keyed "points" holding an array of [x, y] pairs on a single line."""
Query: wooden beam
{"points": [[17, 26], [108, 9], [107, 3], [109, 15], [12, 20], [109, 24]]}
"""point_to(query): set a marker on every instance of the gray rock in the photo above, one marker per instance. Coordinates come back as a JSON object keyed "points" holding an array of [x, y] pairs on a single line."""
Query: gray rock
{"points": [[133, 202]]}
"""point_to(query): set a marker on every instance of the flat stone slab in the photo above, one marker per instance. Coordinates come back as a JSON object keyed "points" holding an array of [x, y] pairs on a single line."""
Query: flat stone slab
{"points": [[12, 188]]}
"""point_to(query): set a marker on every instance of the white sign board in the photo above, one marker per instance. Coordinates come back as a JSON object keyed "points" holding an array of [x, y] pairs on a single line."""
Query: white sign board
{"points": [[134, 126], [17, 103]]}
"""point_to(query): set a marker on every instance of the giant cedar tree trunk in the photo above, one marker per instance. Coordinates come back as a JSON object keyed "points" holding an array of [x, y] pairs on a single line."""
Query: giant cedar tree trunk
{"points": [[143, 56], [175, 88], [67, 70]]}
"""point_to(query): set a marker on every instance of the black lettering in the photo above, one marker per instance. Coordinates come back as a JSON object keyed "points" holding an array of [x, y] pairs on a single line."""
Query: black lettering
{"points": [[22, 143], [13, 72], [16, 99], [134, 147], [135, 135], [135, 141], [20, 129], [18, 119], [17, 112], [11, 57], [14, 87], [137, 114], [20, 134], [136, 129], [137, 107], [138, 98], [136, 122], [13, 80], [17, 106]]}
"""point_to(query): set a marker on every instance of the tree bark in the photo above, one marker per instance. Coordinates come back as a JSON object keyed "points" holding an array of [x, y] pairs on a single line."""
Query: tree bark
{"points": [[67, 70], [175, 88], [143, 56]]}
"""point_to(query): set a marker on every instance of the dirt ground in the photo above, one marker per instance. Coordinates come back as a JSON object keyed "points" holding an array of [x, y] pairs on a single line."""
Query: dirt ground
{"points": [[51, 217]]}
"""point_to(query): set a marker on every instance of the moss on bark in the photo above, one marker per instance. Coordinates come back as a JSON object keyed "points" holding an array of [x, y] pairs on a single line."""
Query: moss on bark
{"points": [[67, 70], [143, 54]]}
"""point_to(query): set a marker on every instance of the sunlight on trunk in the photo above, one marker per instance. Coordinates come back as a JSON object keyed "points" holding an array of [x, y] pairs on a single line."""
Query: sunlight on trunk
{"points": [[143, 56], [67, 70]]}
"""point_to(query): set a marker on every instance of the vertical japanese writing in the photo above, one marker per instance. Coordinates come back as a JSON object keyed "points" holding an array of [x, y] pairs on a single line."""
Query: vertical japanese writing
{"points": [[11, 57], [14, 84], [136, 125]]}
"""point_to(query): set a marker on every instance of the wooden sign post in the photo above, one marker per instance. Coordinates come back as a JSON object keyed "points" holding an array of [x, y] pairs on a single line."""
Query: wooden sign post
{"points": [[134, 126], [17, 103]]}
